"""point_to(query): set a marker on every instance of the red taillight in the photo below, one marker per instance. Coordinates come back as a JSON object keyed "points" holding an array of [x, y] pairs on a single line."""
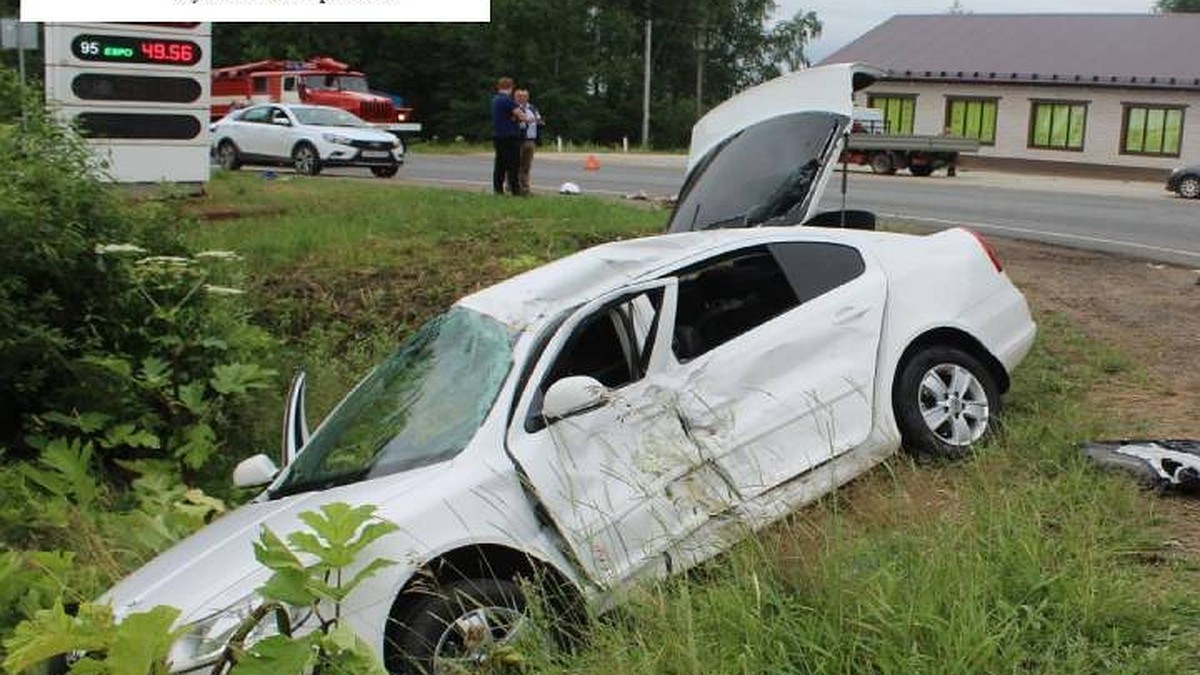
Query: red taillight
{"points": [[987, 248]]}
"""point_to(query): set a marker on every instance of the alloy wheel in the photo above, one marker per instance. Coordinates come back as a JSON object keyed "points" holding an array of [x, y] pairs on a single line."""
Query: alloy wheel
{"points": [[953, 404]]}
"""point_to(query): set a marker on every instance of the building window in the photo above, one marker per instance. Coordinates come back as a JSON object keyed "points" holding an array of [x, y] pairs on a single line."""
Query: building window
{"points": [[1152, 130], [898, 111], [1057, 125], [972, 118]]}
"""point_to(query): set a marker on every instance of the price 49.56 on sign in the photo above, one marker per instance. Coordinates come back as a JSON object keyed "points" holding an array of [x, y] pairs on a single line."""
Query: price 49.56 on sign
{"points": [[127, 49]]}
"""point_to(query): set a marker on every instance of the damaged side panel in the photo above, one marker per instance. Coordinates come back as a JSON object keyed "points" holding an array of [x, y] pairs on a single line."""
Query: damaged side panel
{"points": [[623, 481]]}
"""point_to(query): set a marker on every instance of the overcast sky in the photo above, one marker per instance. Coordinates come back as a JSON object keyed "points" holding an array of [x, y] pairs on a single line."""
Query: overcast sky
{"points": [[845, 20]]}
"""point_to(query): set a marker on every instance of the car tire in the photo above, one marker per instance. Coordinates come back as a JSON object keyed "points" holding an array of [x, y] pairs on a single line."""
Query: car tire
{"points": [[457, 628], [946, 400], [228, 156], [306, 160], [385, 171], [881, 162], [1189, 187], [921, 171]]}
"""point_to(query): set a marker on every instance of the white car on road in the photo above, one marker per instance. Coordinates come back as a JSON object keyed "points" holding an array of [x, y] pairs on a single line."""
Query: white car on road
{"points": [[307, 137], [630, 410]]}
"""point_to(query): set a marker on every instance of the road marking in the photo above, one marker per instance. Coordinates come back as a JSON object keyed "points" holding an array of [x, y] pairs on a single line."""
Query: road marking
{"points": [[1044, 233]]}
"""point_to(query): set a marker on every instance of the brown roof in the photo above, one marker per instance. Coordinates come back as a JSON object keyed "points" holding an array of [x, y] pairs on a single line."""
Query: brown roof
{"points": [[1142, 50]]}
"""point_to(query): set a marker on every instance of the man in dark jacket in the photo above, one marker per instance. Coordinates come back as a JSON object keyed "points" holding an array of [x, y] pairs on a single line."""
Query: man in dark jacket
{"points": [[506, 138]]}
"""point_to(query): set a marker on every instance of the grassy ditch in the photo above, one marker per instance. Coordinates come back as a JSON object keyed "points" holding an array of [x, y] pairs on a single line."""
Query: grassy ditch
{"points": [[1022, 559]]}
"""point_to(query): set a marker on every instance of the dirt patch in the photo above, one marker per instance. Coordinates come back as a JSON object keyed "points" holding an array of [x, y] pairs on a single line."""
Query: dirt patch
{"points": [[1150, 312], [1146, 310]]}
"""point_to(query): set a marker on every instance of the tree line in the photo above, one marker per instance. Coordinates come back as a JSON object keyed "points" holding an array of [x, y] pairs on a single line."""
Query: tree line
{"points": [[581, 59]]}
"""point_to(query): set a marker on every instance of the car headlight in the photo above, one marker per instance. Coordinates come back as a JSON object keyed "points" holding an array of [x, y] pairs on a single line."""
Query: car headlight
{"points": [[337, 138], [205, 640]]}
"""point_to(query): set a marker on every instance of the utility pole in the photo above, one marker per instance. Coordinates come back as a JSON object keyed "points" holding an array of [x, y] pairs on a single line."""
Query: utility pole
{"points": [[646, 82], [701, 48]]}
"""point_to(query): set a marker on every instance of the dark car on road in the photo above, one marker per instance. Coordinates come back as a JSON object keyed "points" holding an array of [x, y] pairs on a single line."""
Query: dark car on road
{"points": [[1185, 181]]}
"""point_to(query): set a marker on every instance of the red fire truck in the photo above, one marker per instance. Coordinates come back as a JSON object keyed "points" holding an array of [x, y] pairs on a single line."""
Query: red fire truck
{"points": [[320, 81]]}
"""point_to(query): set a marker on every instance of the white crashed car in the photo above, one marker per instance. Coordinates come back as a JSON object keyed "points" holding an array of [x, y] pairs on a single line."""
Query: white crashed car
{"points": [[626, 411], [306, 137]]}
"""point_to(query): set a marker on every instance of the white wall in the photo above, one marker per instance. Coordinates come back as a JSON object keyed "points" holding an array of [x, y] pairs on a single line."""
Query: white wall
{"points": [[1102, 137]]}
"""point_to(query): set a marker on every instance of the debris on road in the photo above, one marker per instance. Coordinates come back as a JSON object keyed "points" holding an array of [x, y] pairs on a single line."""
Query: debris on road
{"points": [[1160, 464]]}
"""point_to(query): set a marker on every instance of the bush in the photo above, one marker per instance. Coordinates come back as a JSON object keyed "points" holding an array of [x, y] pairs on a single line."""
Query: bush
{"points": [[109, 329], [125, 368]]}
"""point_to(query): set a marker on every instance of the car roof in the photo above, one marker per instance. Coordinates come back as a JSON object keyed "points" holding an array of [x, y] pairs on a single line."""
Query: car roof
{"points": [[292, 106], [567, 282]]}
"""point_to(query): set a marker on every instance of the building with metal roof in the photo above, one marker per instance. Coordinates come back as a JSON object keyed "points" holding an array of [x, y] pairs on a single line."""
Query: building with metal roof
{"points": [[1069, 91]]}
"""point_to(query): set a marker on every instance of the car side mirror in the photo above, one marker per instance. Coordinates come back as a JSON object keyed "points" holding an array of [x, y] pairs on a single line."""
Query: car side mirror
{"points": [[254, 471], [572, 396]]}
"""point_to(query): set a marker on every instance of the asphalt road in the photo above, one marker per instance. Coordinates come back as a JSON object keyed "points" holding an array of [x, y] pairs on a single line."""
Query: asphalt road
{"points": [[1132, 218]]}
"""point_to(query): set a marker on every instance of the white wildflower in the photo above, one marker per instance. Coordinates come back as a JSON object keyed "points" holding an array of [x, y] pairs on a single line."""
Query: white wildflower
{"points": [[112, 249], [222, 290], [218, 255], [166, 261]]}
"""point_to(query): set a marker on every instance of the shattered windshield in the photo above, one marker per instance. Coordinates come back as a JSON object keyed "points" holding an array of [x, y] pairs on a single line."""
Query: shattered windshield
{"points": [[420, 406], [762, 175]]}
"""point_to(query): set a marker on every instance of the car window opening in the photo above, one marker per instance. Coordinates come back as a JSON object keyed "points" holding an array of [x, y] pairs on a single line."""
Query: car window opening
{"points": [[727, 298], [613, 346]]}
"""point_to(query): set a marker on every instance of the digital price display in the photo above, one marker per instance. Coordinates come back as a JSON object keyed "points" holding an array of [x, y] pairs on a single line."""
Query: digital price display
{"points": [[119, 87], [126, 49]]}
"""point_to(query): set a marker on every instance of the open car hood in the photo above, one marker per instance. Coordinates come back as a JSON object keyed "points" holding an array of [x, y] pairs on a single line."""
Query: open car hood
{"points": [[763, 157]]}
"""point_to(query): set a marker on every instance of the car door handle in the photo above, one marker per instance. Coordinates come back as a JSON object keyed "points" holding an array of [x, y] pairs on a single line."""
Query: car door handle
{"points": [[848, 314]]}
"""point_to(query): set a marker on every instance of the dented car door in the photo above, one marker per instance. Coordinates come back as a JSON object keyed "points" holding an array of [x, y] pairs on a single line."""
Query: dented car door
{"points": [[621, 479], [778, 344]]}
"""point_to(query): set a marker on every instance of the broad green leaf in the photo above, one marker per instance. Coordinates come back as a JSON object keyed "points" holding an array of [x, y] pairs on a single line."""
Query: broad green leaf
{"points": [[88, 422], [113, 364], [70, 471], [370, 533], [191, 395], [239, 378], [346, 653], [362, 575], [307, 542], [273, 553], [199, 443], [278, 655], [290, 586], [198, 504], [143, 642], [52, 632], [128, 435], [155, 372]]}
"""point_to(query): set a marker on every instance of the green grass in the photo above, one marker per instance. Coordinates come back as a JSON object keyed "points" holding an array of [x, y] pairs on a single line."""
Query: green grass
{"points": [[1024, 558], [341, 269]]}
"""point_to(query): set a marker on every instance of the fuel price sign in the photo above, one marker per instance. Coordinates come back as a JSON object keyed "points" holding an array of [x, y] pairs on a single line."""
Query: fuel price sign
{"points": [[128, 49]]}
